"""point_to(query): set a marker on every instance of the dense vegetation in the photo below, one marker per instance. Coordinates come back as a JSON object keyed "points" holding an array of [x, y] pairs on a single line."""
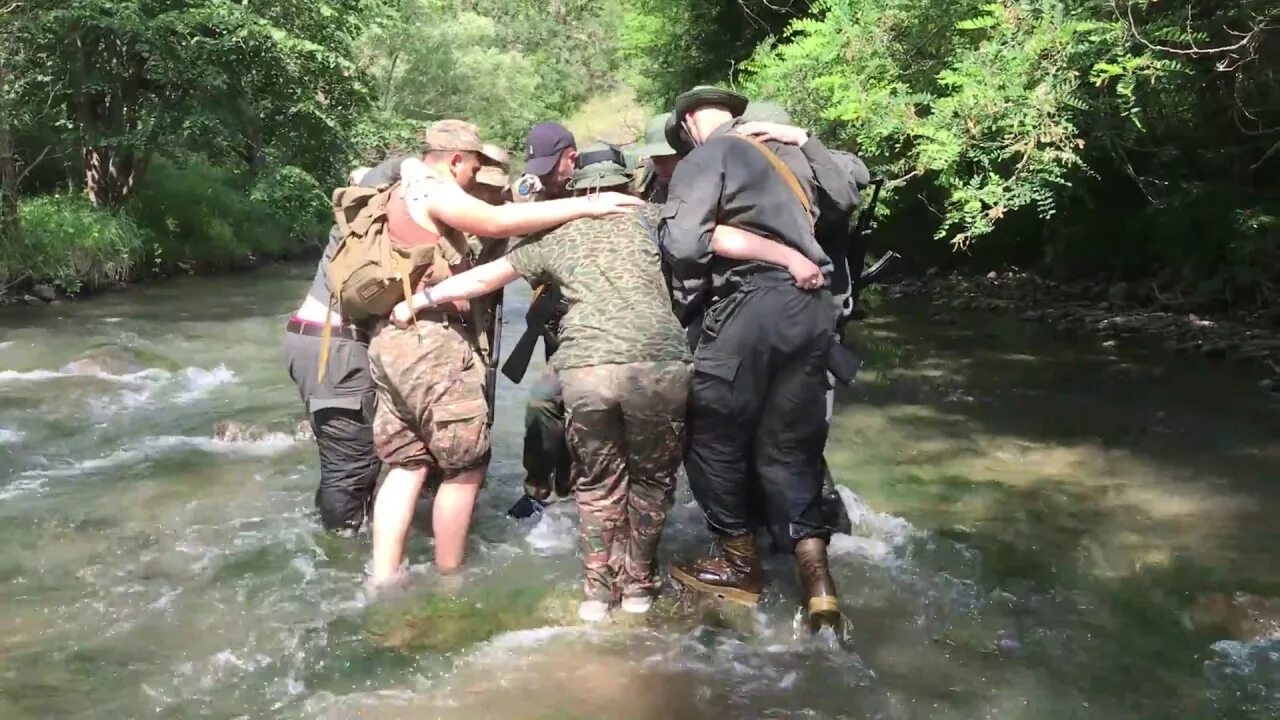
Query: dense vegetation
{"points": [[1113, 139], [142, 136]]}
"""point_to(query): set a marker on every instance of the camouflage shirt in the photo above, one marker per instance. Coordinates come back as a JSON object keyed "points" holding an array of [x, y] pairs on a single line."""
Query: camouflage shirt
{"points": [[611, 276]]}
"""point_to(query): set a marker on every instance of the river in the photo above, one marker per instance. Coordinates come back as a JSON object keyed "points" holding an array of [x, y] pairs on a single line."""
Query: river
{"points": [[1045, 528]]}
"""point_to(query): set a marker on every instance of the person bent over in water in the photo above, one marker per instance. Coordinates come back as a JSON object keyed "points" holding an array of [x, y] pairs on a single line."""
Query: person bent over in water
{"points": [[625, 369], [430, 384]]}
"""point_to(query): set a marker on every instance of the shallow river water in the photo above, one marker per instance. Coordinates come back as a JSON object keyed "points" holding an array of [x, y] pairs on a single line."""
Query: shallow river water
{"points": [[1045, 528]]}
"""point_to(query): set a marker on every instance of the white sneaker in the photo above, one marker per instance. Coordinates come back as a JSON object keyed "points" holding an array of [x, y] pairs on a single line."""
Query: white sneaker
{"points": [[638, 605], [593, 611]]}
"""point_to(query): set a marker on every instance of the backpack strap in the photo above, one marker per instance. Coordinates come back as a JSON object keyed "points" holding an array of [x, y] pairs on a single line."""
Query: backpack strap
{"points": [[784, 171]]}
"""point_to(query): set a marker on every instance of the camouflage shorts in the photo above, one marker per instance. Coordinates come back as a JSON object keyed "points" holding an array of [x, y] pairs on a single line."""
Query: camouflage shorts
{"points": [[431, 404], [625, 425]]}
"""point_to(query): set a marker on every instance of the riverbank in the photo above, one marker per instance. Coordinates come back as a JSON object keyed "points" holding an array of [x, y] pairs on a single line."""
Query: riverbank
{"points": [[39, 294], [1115, 314]]}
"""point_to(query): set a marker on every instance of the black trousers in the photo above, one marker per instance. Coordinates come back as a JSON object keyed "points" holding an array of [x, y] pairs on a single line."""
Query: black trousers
{"points": [[339, 406], [757, 410], [546, 452], [349, 467]]}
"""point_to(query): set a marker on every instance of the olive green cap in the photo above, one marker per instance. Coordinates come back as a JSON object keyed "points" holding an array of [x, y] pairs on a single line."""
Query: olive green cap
{"points": [[764, 110], [599, 175], [691, 100], [655, 138]]}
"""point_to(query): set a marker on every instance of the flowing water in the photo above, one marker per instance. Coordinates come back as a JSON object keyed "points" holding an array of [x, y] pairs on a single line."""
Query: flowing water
{"points": [[1045, 528]]}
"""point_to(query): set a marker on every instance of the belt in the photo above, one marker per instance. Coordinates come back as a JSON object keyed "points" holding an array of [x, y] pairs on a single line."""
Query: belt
{"points": [[315, 329]]}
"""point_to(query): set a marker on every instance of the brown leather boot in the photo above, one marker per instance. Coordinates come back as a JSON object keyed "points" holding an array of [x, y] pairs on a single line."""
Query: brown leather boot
{"points": [[734, 575], [819, 589]]}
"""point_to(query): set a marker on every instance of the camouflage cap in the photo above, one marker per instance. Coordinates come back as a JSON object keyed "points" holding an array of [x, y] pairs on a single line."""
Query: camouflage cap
{"points": [[451, 135], [655, 137], [496, 156], [606, 173], [494, 176], [764, 110]]}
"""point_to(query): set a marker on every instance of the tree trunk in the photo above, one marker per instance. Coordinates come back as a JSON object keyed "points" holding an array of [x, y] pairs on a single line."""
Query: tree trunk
{"points": [[111, 174], [9, 221]]}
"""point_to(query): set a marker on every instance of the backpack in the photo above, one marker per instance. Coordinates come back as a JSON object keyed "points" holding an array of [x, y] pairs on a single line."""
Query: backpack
{"points": [[369, 272]]}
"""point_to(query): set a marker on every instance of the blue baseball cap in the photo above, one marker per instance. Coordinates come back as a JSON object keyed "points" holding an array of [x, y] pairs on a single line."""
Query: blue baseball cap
{"points": [[546, 142]]}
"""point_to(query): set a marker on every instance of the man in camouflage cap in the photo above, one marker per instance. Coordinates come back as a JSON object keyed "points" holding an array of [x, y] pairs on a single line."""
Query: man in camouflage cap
{"points": [[624, 366], [431, 411]]}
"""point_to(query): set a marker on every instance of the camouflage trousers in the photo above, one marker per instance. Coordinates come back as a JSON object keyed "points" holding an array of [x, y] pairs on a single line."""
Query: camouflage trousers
{"points": [[431, 408], [625, 426]]}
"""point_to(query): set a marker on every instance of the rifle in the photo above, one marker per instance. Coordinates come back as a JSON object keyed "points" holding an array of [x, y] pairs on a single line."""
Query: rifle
{"points": [[542, 320], [495, 354]]}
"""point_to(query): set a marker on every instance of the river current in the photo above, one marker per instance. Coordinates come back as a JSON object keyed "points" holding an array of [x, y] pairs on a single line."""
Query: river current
{"points": [[1044, 528]]}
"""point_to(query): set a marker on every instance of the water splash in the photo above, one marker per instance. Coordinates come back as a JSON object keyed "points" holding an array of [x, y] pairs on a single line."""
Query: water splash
{"points": [[556, 532], [877, 537]]}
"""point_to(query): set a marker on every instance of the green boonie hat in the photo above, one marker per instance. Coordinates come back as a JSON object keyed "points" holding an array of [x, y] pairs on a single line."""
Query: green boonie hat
{"points": [[452, 135], [655, 137], [599, 175], [691, 100], [763, 110]]}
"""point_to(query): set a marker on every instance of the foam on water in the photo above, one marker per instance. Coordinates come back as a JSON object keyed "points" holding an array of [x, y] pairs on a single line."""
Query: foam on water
{"points": [[9, 436], [556, 532], [22, 486]]}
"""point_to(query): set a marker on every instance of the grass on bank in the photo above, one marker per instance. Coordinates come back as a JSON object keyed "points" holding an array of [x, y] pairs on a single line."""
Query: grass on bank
{"points": [[187, 215]]}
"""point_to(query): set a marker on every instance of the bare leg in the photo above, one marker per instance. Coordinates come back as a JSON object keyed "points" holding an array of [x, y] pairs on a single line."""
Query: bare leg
{"points": [[451, 517], [392, 512]]}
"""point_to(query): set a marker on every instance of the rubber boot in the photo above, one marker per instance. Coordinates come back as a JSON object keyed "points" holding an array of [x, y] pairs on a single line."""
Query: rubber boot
{"points": [[734, 574], [821, 602]]}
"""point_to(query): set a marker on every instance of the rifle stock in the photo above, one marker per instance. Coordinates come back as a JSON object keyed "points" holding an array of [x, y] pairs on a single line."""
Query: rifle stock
{"points": [[495, 354]]}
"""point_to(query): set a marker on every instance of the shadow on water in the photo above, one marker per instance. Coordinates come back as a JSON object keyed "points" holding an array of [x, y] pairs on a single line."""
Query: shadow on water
{"points": [[1099, 496]]}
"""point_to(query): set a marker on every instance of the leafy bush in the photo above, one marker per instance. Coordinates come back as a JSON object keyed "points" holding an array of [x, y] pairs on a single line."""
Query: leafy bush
{"points": [[69, 242], [295, 199], [202, 216]]}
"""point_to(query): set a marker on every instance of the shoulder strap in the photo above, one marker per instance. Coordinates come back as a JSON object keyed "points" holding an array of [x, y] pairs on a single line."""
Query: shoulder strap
{"points": [[783, 170]]}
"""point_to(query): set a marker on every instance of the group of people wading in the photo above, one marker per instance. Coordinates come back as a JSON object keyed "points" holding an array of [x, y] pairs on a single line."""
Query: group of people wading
{"points": [[694, 314]]}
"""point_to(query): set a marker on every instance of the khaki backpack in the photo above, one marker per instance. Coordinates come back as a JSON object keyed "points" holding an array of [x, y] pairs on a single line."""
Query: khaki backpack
{"points": [[370, 273]]}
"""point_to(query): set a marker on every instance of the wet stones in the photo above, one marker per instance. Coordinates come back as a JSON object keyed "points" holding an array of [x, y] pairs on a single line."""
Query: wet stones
{"points": [[45, 293], [1113, 312]]}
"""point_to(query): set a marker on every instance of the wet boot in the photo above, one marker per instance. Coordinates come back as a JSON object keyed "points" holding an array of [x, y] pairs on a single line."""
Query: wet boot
{"points": [[821, 604], [733, 575]]}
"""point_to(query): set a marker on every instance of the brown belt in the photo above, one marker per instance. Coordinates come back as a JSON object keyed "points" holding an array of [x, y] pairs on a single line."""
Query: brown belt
{"points": [[315, 329]]}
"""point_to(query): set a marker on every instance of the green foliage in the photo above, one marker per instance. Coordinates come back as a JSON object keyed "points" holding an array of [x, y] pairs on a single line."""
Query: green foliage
{"points": [[502, 64], [69, 242], [296, 199], [202, 216], [668, 46]]}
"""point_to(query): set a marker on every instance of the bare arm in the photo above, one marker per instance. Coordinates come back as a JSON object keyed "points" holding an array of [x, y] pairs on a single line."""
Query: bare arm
{"points": [[479, 280], [738, 244], [453, 206]]}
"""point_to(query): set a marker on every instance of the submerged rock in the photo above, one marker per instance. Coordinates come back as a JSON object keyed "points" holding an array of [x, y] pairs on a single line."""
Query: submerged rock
{"points": [[233, 431], [1242, 617], [45, 293], [106, 360]]}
